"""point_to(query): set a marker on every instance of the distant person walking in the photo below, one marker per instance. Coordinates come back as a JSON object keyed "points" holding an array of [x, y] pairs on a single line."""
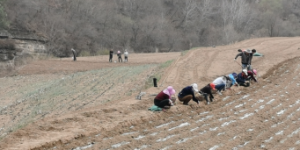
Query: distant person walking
{"points": [[126, 56], [74, 54], [111, 52], [119, 56]]}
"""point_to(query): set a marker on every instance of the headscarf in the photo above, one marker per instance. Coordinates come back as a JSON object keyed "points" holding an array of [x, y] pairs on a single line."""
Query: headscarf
{"points": [[212, 86], [195, 87], [169, 91]]}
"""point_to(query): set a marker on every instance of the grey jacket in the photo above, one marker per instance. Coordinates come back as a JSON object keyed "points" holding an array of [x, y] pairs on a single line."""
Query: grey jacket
{"points": [[246, 59]]}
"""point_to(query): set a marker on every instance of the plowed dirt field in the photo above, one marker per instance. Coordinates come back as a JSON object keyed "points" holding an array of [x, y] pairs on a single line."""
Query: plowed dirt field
{"points": [[91, 103]]}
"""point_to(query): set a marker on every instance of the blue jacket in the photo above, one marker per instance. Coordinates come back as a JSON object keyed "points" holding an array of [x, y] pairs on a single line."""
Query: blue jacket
{"points": [[233, 81]]}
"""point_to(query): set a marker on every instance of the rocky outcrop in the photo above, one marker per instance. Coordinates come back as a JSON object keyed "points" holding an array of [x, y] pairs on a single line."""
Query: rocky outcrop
{"points": [[15, 43]]}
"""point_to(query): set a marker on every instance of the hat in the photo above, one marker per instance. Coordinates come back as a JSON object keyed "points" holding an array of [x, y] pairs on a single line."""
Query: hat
{"points": [[212, 86], [234, 74], [254, 71], [248, 51], [169, 91], [245, 71], [195, 87]]}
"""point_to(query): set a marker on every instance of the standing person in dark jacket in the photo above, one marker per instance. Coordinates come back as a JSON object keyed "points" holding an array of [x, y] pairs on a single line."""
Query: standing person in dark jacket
{"points": [[164, 98], [246, 58], [111, 52], [74, 54], [205, 91], [188, 93]]}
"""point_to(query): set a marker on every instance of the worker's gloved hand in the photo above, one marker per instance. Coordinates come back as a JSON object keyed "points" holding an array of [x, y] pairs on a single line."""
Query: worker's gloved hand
{"points": [[171, 102]]}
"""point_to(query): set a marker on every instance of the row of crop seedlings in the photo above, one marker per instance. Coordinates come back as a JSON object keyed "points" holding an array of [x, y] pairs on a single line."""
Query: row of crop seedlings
{"points": [[205, 128], [178, 128], [171, 126], [279, 110], [195, 130], [224, 124], [23, 109], [286, 123]]}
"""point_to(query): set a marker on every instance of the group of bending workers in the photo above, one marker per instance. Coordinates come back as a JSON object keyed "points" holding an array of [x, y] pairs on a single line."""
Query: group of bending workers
{"points": [[166, 98]]}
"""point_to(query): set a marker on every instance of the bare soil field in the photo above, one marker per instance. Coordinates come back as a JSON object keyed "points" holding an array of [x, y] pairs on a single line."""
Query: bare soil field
{"points": [[91, 103]]}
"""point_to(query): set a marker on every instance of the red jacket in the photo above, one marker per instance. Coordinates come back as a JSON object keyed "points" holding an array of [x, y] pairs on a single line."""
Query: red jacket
{"points": [[250, 74], [161, 96]]}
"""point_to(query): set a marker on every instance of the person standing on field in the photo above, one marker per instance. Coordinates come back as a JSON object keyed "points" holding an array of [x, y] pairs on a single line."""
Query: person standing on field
{"points": [[246, 58], [111, 52], [74, 54], [119, 56], [126, 56]]}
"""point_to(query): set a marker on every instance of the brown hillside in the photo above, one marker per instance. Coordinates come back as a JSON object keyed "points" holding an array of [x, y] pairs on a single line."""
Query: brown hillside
{"points": [[90, 103]]}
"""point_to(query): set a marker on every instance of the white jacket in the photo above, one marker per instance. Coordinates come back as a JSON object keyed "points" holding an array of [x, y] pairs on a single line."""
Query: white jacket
{"points": [[125, 53], [220, 80]]}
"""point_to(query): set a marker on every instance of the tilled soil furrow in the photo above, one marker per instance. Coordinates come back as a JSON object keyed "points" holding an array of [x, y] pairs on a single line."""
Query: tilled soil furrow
{"points": [[262, 116]]}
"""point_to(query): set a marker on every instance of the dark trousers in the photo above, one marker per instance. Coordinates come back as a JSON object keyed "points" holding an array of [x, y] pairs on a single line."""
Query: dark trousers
{"points": [[240, 80], [206, 97], [220, 87], [120, 59], [74, 56], [126, 59], [162, 103], [110, 58]]}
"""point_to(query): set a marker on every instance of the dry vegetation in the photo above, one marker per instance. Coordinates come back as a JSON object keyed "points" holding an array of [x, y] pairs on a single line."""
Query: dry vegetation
{"points": [[93, 27]]}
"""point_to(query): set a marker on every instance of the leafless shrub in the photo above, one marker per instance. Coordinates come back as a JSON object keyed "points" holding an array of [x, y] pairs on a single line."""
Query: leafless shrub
{"points": [[145, 26]]}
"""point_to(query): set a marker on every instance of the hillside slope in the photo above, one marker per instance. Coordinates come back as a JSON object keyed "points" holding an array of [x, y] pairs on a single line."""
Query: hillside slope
{"points": [[92, 109]]}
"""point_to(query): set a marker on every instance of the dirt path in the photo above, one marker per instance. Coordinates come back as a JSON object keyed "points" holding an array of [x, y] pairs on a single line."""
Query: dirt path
{"points": [[262, 116]]}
